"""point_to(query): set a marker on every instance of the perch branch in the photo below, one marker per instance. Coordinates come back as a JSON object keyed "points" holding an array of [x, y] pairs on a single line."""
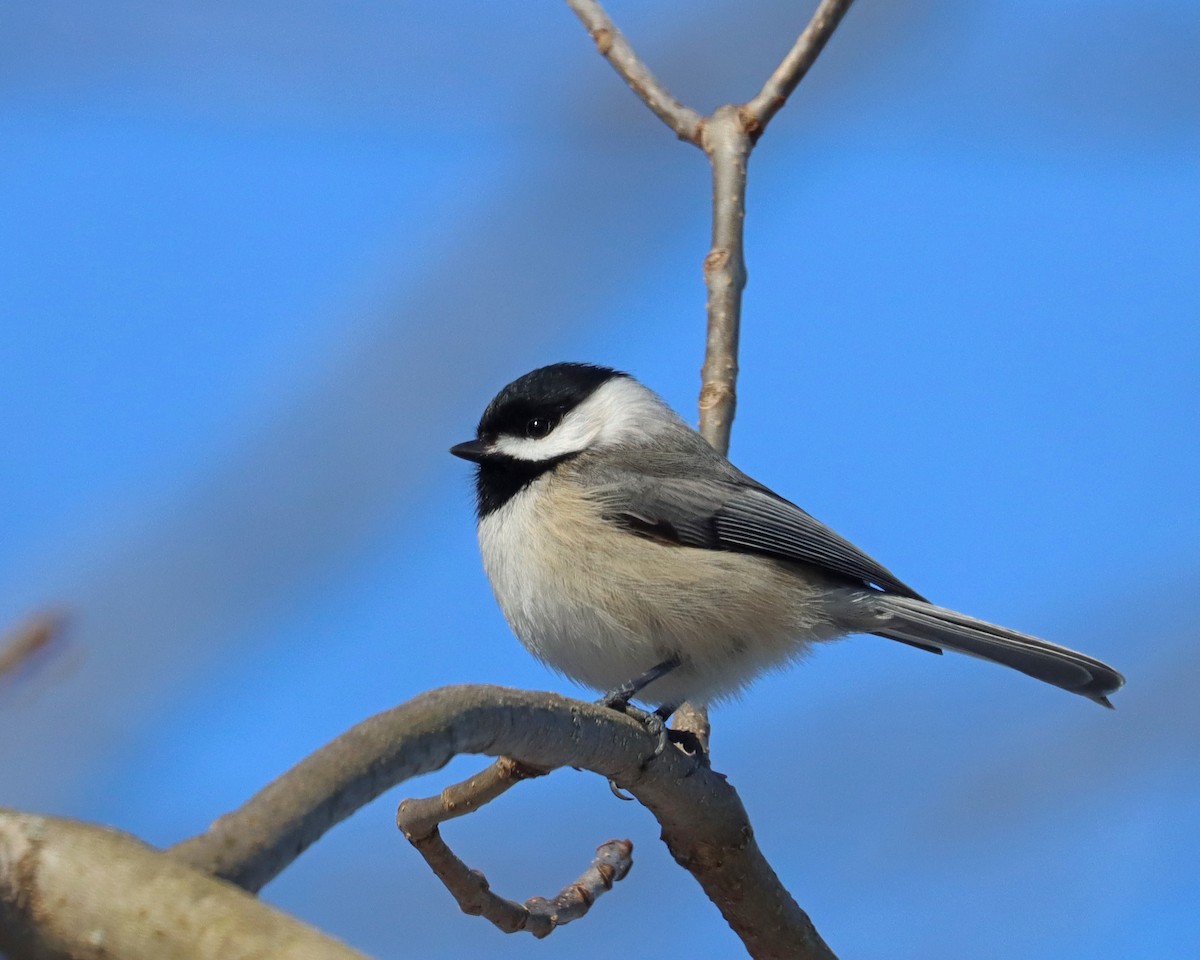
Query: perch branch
{"points": [[703, 821]]}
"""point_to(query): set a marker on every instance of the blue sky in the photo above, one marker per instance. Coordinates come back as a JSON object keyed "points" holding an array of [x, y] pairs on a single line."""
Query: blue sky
{"points": [[260, 266]]}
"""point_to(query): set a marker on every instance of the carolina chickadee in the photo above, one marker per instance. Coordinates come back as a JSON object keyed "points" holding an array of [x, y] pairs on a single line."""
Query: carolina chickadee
{"points": [[628, 554]]}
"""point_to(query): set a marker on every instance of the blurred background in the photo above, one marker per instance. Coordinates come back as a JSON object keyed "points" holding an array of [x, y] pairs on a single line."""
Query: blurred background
{"points": [[262, 263]]}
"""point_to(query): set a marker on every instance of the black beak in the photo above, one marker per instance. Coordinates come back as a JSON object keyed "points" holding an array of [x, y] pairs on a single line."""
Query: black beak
{"points": [[474, 450]]}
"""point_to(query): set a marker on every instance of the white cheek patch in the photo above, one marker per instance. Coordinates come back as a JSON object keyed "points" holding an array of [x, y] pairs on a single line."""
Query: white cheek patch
{"points": [[620, 410], [557, 444]]}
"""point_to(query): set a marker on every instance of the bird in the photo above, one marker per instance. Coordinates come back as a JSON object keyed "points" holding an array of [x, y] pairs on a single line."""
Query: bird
{"points": [[629, 555]]}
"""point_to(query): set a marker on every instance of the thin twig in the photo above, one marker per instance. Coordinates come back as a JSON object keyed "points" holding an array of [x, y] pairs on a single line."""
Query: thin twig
{"points": [[779, 86], [703, 821], [616, 50]]}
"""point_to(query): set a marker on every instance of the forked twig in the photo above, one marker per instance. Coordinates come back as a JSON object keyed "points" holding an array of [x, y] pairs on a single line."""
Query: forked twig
{"points": [[728, 137]]}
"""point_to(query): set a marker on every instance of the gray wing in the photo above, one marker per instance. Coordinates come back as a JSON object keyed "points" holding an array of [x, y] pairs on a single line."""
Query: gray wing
{"points": [[762, 522], [733, 512]]}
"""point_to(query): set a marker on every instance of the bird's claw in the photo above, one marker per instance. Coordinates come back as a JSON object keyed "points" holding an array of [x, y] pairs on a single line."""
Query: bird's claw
{"points": [[654, 723]]}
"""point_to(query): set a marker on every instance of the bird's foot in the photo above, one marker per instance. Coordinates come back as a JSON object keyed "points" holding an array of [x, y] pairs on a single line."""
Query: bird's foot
{"points": [[655, 723]]}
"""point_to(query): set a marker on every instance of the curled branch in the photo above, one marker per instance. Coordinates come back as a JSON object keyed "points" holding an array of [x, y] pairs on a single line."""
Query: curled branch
{"points": [[419, 820], [537, 915]]}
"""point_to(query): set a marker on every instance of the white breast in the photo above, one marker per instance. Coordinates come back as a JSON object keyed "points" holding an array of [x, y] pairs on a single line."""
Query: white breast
{"points": [[602, 605]]}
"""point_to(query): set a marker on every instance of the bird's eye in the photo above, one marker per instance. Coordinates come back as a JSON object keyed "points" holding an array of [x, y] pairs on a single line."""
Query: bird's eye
{"points": [[538, 427]]}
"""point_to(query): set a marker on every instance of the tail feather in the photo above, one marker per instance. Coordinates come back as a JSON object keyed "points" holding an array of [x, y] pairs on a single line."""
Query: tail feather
{"points": [[917, 622]]}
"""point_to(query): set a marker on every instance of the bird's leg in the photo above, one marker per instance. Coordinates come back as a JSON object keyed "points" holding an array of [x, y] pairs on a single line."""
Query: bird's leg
{"points": [[655, 723], [619, 698]]}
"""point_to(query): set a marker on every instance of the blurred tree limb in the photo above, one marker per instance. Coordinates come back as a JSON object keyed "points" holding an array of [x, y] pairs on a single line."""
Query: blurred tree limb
{"points": [[70, 889], [29, 640]]}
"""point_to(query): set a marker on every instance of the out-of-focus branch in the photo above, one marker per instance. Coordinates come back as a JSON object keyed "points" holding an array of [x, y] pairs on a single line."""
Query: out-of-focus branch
{"points": [[703, 821], [70, 889], [29, 640]]}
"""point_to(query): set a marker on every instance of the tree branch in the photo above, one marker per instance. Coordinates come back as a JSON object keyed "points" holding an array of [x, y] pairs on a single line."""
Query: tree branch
{"points": [[71, 889], [703, 821]]}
